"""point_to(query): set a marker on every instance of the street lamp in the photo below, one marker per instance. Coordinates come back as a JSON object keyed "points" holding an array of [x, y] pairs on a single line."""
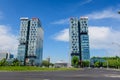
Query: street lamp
{"points": [[107, 64], [117, 44], [107, 61], [119, 47]]}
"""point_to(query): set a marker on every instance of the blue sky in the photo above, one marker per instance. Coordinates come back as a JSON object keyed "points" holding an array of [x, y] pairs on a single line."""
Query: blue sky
{"points": [[54, 14]]}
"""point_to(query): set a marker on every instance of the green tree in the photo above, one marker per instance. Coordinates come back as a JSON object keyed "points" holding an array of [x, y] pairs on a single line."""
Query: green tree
{"points": [[45, 63], [75, 61], [105, 64], [85, 63], [51, 64], [118, 63], [97, 64], [3, 62], [16, 62], [112, 62]]}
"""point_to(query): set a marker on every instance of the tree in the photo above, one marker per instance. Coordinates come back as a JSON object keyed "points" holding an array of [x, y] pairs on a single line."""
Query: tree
{"points": [[105, 64], [51, 64], [98, 64], [85, 63], [111, 62], [75, 61], [16, 62], [45, 63], [118, 64], [3, 62]]}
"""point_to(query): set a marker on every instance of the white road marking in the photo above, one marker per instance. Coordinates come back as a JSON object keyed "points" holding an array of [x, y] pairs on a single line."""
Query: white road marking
{"points": [[113, 75], [46, 79]]}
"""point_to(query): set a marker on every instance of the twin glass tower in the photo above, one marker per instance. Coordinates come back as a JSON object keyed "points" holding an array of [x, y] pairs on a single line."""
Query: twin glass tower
{"points": [[30, 48], [79, 38]]}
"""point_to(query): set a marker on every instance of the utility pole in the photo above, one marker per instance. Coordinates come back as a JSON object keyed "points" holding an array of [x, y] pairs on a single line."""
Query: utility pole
{"points": [[118, 46], [107, 65], [69, 59]]}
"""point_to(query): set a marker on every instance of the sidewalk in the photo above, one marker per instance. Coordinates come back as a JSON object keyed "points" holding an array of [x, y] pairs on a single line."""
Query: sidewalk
{"points": [[112, 69]]}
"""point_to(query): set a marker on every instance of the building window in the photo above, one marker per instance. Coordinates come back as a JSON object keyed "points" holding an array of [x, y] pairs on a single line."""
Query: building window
{"points": [[32, 24]]}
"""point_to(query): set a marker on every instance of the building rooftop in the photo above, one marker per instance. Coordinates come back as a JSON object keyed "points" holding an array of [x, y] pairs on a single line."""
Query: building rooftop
{"points": [[83, 17], [24, 18], [60, 61]]}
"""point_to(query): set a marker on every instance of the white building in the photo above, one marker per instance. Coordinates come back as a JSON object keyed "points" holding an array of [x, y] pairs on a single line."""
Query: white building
{"points": [[60, 64]]}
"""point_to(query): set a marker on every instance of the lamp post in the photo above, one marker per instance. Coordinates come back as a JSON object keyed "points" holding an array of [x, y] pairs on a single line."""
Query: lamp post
{"points": [[118, 46], [107, 64]]}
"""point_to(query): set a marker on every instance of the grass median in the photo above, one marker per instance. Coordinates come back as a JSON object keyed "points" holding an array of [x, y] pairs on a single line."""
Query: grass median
{"points": [[32, 68]]}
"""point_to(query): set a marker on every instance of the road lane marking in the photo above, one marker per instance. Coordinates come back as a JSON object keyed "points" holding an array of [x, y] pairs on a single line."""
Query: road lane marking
{"points": [[113, 75], [46, 79]]}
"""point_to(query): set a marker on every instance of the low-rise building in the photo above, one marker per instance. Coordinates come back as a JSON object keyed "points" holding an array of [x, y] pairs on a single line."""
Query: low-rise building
{"points": [[60, 64]]}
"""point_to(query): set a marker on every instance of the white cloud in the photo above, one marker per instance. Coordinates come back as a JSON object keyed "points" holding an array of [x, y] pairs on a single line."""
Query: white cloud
{"points": [[101, 37], [62, 35], [8, 41], [108, 13], [62, 21]]}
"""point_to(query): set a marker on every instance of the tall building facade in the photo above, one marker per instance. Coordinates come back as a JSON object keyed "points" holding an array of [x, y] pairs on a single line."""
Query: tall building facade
{"points": [[79, 38], [30, 48]]}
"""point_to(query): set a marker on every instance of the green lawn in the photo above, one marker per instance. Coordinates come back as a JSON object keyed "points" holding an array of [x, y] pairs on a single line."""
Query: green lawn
{"points": [[32, 68]]}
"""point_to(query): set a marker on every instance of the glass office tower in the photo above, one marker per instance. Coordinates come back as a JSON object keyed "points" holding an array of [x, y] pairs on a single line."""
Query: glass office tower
{"points": [[79, 38], [23, 40], [74, 37], [30, 48], [84, 38]]}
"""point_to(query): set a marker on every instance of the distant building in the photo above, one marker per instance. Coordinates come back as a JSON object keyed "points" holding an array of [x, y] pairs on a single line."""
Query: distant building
{"points": [[9, 56], [79, 38], [30, 48], [60, 64], [6, 55]]}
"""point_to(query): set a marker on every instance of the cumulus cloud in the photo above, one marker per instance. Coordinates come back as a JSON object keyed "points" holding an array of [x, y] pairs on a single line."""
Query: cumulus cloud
{"points": [[8, 41], [101, 37], [108, 13], [62, 35]]}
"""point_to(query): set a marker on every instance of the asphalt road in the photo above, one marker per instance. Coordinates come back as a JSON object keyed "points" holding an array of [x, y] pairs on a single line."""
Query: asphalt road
{"points": [[86, 74]]}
